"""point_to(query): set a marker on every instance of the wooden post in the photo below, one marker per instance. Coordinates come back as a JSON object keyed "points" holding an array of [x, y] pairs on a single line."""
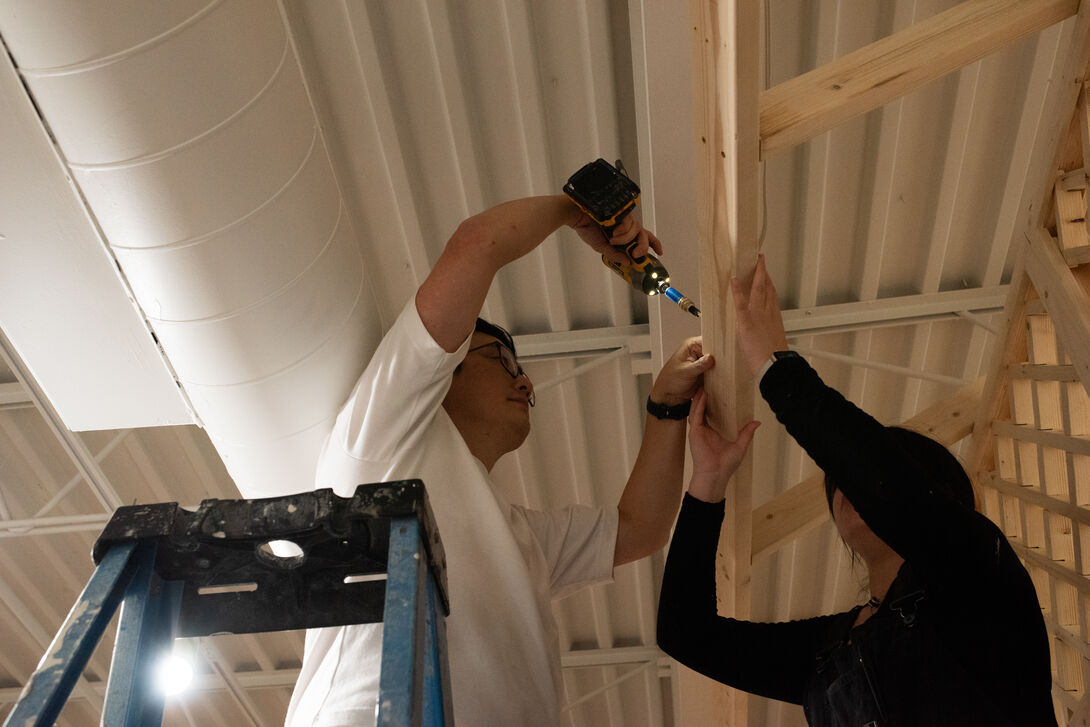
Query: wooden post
{"points": [[725, 47]]}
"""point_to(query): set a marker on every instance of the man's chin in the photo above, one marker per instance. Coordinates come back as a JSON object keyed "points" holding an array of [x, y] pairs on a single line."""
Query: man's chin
{"points": [[520, 432]]}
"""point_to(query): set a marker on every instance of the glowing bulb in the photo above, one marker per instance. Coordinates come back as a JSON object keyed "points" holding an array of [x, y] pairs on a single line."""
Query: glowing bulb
{"points": [[654, 275], [174, 672]]}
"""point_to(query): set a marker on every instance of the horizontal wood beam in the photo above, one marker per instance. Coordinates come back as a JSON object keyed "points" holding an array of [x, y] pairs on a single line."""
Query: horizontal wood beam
{"points": [[1033, 496], [802, 507], [1041, 437], [804, 107], [1042, 372], [786, 516], [1071, 222]]}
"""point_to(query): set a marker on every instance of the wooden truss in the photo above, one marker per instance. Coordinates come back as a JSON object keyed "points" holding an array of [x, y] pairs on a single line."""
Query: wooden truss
{"points": [[1031, 429], [1031, 451]]}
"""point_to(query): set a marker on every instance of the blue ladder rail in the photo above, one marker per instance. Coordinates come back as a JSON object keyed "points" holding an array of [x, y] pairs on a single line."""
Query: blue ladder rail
{"points": [[155, 560]]}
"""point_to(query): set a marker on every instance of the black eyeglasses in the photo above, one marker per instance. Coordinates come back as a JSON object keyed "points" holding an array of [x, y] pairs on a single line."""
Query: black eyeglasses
{"points": [[509, 362]]}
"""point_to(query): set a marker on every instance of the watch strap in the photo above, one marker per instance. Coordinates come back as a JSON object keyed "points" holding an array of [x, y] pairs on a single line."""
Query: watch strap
{"points": [[776, 356], [662, 411]]}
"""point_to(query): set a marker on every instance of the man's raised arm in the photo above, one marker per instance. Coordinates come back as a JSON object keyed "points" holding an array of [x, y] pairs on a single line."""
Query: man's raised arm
{"points": [[450, 298]]}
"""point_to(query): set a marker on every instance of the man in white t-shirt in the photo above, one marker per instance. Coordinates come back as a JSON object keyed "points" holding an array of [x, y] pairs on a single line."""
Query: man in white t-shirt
{"points": [[442, 399]]}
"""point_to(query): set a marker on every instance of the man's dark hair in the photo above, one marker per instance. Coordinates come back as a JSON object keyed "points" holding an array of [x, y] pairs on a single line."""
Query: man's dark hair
{"points": [[497, 332], [943, 473]]}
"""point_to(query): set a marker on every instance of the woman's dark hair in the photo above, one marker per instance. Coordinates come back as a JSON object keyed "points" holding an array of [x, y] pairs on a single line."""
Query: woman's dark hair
{"points": [[945, 475]]}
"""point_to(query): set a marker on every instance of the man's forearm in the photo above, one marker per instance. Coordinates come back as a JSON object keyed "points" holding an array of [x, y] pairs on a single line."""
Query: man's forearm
{"points": [[652, 495], [506, 232], [451, 297]]}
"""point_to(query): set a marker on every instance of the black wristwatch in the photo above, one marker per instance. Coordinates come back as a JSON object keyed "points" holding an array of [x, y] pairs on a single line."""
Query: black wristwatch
{"points": [[779, 355], [662, 411], [776, 356]]}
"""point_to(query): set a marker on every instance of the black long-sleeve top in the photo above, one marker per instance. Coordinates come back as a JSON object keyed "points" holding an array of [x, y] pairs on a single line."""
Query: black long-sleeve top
{"points": [[959, 638]]}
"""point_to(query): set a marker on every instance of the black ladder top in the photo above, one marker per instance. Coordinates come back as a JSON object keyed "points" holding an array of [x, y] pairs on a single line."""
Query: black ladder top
{"points": [[235, 584]]}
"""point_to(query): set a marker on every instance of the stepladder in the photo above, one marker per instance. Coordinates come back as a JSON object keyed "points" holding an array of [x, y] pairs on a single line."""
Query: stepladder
{"points": [[308, 560]]}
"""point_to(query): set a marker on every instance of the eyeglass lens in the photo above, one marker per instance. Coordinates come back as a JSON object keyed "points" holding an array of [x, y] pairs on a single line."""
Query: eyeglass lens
{"points": [[509, 361]]}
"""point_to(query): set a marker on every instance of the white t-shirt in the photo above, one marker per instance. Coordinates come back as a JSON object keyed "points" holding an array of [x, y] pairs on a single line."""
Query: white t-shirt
{"points": [[505, 563]]}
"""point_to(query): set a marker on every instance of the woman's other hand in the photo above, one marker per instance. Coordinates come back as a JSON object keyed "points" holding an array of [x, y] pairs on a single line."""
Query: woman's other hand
{"points": [[759, 321], [715, 458]]}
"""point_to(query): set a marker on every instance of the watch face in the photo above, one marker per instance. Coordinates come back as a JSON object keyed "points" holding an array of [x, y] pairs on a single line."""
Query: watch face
{"points": [[603, 192]]}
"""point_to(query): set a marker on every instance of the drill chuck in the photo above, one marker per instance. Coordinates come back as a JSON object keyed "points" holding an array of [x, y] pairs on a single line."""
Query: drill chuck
{"points": [[648, 275]]}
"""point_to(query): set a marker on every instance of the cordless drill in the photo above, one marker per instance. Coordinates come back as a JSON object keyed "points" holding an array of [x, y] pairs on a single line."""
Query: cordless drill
{"points": [[607, 194]]}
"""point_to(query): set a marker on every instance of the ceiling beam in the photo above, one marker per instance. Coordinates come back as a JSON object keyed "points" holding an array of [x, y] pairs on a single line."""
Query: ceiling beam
{"points": [[907, 371], [286, 677], [898, 311], [808, 105], [586, 342], [1029, 157], [14, 396], [70, 442], [58, 524], [834, 318], [242, 697], [802, 507]]}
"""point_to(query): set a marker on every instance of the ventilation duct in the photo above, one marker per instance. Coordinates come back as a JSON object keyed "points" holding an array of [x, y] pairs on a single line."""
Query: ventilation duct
{"points": [[191, 135]]}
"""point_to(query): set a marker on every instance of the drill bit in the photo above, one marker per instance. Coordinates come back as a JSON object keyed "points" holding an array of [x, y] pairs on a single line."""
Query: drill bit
{"points": [[684, 302]]}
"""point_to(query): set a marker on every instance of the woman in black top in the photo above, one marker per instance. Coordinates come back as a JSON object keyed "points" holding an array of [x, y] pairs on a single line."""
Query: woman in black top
{"points": [[952, 633]]}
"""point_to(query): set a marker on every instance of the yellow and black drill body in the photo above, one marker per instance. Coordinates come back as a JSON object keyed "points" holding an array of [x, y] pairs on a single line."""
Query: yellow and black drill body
{"points": [[607, 195]]}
